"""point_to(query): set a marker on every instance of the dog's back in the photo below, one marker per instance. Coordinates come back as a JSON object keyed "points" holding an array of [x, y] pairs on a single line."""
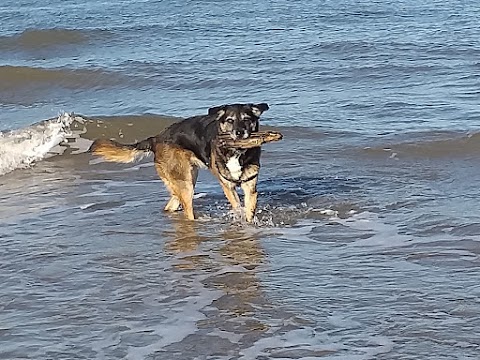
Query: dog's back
{"points": [[195, 134]]}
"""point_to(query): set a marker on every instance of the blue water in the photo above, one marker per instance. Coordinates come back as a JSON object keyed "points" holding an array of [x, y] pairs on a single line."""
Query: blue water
{"points": [[367, 242], [367, 66]]}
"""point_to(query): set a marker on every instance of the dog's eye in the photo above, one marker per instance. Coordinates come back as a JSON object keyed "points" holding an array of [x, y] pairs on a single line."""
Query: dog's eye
{"points": [[229, 120]]}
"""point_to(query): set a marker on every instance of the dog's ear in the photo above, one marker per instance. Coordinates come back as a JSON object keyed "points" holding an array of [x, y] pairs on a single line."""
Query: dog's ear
{"points": [[258, 109], [217, 111]]}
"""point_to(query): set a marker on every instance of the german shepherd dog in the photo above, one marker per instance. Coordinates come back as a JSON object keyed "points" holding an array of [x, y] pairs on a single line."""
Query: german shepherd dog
{"points": [[193, 143]]}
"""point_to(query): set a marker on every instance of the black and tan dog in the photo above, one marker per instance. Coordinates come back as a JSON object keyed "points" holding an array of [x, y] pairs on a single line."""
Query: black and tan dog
{"points": [[193, 143]]}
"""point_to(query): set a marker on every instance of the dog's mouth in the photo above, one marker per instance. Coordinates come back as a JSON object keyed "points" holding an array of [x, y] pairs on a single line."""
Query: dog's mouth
{"points": [[239, 134]]}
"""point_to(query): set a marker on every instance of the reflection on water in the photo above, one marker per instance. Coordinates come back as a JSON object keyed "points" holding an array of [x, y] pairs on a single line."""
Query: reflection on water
{"points": [[356, 263], [240, 321]]}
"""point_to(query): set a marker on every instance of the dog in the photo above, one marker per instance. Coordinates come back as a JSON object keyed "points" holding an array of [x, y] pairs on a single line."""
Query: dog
{"points": [[193, 143]]}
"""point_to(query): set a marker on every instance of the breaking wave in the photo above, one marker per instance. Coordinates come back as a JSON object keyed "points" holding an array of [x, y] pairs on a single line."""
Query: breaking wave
{"points": [[72, 134], [23, 147]]}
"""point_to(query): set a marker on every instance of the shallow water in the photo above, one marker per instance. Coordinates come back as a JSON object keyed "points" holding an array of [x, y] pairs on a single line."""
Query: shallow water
{"points": [[366, 244]]}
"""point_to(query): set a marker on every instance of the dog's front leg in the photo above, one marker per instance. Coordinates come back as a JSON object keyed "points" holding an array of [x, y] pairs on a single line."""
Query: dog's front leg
{"points": [[250, 191], [230, 192]]}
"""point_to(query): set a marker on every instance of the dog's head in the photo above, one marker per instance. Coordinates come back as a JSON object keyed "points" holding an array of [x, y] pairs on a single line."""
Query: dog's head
{"points": [[238, 120]]}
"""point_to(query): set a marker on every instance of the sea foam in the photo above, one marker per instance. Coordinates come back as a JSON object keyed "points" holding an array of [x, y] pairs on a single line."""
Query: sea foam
{"points": [[22, 147]]}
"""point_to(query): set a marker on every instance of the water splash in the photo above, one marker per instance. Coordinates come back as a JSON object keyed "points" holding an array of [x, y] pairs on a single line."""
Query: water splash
{"points": [[23, 147]]}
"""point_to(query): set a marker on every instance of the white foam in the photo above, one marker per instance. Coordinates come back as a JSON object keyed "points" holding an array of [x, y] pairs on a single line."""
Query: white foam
{"points": [[294, 340], [199, 195], [21, 148], [327, 212], [383, 234], [181, 318]]}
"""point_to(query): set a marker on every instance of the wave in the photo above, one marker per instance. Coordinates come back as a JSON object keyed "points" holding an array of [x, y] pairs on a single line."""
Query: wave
{"points": [[434, 146], [18, 77], [71, 134], [40, 39], [21, 148]]}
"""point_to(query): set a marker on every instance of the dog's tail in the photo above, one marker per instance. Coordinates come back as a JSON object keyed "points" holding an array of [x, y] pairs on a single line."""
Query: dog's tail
{"points": [[111, 150]]}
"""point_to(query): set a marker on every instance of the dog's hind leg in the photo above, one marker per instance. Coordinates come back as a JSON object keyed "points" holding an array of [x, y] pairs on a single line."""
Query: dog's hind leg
{"points": [[185, 191], [250, 192], [173, 204], [177, 168], [185, 194], [181, 194]]}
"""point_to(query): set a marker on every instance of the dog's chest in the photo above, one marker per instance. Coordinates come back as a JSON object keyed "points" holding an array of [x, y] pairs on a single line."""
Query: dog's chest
{"points": [[233, 165]]}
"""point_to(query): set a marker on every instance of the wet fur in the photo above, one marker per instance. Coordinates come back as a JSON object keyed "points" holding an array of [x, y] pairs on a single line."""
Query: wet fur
{"points": [[192, 143]]}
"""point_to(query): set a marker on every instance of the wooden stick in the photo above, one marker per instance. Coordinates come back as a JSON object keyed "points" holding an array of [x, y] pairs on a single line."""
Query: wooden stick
{"points": [[255, 140]]}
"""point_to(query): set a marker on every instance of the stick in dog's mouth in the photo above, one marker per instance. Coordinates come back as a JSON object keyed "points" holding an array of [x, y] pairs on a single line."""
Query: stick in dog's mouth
{"points": [[255, 140]]}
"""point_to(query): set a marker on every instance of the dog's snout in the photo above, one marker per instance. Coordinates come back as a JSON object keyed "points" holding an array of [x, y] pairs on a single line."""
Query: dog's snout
{"points": [[242, 134]]}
